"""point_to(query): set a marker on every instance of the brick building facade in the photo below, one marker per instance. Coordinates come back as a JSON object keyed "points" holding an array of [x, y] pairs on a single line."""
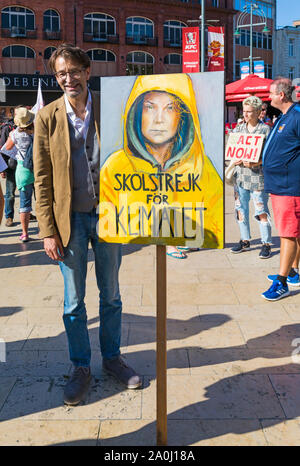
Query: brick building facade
{"points": [[263, 44], [121, 36], [287, 60]]}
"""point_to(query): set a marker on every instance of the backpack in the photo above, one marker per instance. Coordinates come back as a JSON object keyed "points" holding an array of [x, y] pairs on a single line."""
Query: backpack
{"points": [[28, 159]]}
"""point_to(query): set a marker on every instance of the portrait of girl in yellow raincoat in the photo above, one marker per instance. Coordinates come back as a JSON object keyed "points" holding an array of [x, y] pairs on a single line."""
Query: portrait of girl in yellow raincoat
{"points": [[161, 188]]}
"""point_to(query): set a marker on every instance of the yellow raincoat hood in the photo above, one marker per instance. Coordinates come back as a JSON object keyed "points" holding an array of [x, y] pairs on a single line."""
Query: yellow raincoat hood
{"points": [[189, 143], [188, 176]]}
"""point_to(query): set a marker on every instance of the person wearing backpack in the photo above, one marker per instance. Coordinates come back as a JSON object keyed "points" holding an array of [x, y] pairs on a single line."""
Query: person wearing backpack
{"points": [[22, 138], [8, 175]]}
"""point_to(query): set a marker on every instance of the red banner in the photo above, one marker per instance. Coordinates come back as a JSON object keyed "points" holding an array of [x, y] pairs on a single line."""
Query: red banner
{"points": [[215, 48], [190, 50]]}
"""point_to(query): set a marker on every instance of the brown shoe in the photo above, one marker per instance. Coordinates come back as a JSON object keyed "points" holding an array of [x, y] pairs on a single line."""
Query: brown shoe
{"points": [[9, 222], [77, 386], [122, 372]]}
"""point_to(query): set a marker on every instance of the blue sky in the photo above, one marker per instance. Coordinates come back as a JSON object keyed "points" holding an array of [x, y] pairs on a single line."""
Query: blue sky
{"points": [[287, 12]]}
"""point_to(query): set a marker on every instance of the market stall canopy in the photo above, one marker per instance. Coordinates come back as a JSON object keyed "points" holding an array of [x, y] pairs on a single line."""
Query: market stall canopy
{"points": [[243, 88]]}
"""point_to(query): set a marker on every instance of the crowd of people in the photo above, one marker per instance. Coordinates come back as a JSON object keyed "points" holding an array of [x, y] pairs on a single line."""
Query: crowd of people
{"points": [[66, 164], [276, 174], [17, 137]]}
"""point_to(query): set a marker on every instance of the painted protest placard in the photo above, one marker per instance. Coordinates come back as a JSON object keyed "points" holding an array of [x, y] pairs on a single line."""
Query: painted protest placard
{"points": [[245, 147], [161, 160], [10, 153], [3, 165]]}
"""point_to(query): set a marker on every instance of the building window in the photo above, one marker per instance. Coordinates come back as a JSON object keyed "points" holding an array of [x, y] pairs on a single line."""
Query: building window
{"points": [[259, 40], [139, 63], [51, 21], [18, 19], [173, 32], [291, 73], [173, 59], [267, 8], [18, 51], [291, 47], [139, 29], [48, 52], [101, 55], [237, 69], [270, 42], [99, 25], [268, 71]]}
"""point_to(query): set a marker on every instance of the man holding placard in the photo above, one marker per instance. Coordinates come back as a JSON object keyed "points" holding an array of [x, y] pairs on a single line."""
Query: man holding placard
{"points": [[244, 146], [66, 164]]}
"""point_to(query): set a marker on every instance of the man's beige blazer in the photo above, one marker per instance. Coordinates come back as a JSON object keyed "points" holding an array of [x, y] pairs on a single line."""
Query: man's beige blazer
{"points": [[53, 168]]}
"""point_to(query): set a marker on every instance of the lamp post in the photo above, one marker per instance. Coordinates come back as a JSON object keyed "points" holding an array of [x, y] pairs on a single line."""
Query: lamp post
{"points": [[202, 36], [201, 20], [248, 10]]}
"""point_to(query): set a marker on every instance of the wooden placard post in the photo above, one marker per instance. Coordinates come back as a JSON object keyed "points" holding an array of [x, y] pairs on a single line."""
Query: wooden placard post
{"points": [[179, 203], [161, 345]]}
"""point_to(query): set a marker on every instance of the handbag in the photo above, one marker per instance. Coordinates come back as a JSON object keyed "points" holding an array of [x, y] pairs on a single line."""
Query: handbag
{"points": [[229, 173], [12, 163]]}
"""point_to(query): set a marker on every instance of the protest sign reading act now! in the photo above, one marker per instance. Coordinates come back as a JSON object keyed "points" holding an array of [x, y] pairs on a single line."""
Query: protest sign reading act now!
{"points": [[245, 147]]}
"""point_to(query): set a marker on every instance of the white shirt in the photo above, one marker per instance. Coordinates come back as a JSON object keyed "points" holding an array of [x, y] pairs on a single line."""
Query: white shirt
{"points": [[21, 141], [78, 124]]}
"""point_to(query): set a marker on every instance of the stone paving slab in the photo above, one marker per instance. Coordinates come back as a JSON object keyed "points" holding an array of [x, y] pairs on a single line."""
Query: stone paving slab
{"points": [[186, 432], [41, 398], [41, 433], [286, 433], [35, 363], [246, 396]]}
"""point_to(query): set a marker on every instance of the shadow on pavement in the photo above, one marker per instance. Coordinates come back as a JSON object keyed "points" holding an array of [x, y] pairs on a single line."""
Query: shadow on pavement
{"points": [[247, 396]]}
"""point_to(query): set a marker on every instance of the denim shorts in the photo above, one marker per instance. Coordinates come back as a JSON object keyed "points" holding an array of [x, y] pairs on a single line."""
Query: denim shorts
{"points": [[25, 198]]}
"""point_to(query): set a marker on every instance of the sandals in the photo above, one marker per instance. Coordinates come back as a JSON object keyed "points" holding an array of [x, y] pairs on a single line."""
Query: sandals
{"points": [[187, 249], [177, 255], [24, 238]]}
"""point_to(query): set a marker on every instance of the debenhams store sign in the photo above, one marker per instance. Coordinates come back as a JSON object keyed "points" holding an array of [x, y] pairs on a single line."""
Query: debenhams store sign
{"points": [[29, 82]]}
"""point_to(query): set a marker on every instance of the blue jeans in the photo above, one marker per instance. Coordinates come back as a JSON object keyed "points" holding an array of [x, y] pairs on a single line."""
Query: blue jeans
{"points": [[10, 193], [25, 198], [260, 201], [74, 268]]}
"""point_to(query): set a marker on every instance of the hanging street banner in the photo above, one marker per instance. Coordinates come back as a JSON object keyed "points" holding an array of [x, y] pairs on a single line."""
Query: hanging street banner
{"points": [[161, 160], [244, 69], [215, 48], [190, 50], [259, 68], [245, 147]]}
